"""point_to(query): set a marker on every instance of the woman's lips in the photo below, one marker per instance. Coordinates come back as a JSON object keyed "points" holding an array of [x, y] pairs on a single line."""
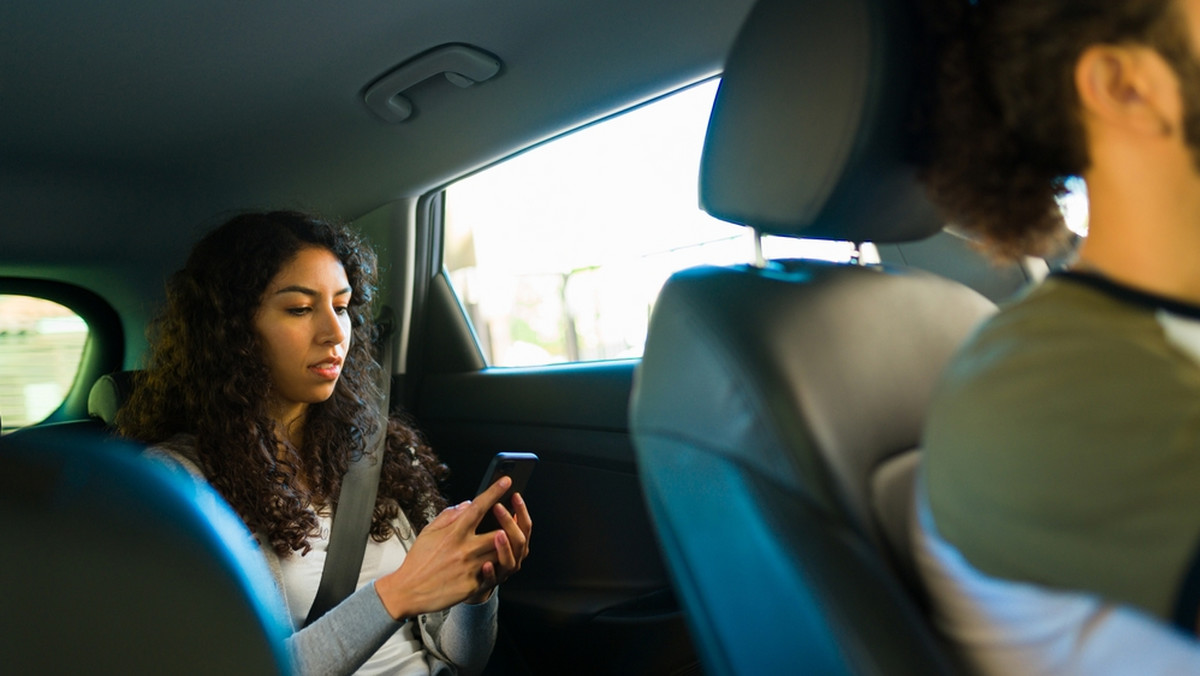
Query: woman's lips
{"points": [[329, 369]]}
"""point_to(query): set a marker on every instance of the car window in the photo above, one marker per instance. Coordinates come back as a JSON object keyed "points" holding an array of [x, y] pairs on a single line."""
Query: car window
{"points": [[559, 253], [41, 347], [1074, 205]]}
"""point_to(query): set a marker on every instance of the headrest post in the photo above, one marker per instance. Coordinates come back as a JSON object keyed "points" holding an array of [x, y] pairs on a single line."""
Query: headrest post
{"points": [[856, 256], [760, 261]]}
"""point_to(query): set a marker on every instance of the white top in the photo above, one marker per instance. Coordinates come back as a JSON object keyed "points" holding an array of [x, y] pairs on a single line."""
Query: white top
{"points": [[1005, 627], [402, 654]]}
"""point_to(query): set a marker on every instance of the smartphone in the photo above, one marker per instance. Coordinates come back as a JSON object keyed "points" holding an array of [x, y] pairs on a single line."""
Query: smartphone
{"points": [[516, 465]]}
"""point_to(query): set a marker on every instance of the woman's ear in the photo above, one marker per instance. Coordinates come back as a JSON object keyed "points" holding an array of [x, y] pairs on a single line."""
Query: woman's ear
{"points": [[1129, 87]]}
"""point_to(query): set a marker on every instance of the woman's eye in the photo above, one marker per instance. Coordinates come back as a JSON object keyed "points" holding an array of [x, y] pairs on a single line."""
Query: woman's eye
{"points": [[341, 310], [298, 311]]}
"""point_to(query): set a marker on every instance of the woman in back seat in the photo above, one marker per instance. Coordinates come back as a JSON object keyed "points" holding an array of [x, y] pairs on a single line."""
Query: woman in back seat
{"points": [[261, 383]]}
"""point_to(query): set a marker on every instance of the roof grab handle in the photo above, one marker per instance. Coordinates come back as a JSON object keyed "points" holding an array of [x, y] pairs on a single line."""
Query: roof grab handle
{"points": [[463, 65]]}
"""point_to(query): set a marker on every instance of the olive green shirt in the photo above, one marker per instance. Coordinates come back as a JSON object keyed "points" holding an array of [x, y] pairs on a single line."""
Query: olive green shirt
{"points": [[1063, 446]]}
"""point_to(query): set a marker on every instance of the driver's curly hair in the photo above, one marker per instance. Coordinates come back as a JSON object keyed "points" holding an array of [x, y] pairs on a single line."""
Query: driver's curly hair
{"points": [[1007, 132], [206, 377]]}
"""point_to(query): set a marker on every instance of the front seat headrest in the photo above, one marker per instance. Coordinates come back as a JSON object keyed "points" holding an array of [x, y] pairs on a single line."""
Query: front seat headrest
{"points": [[119, 564], [108, 394], [810, 134]]}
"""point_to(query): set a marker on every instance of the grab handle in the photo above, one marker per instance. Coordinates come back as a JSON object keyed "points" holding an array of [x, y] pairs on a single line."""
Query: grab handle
{"points": [[463, 66]]}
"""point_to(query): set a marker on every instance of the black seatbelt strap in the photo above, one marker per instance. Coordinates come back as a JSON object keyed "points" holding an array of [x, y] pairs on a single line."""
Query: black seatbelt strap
{"points": [[356, 503]]}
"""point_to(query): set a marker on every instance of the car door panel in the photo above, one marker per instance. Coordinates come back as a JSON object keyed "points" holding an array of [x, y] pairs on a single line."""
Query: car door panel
{"points": [[593, 595]]}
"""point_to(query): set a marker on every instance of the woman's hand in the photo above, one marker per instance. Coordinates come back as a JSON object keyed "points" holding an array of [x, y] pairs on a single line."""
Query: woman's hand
{"points": [[448, 563], [512, 546]]}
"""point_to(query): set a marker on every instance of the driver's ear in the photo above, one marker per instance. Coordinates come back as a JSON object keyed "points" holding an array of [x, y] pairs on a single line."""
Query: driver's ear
{"points": [[1129, 87]]}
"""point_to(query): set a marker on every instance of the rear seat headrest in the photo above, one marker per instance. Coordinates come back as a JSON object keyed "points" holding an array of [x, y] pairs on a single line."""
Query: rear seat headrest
{"points": [[108, 394]]}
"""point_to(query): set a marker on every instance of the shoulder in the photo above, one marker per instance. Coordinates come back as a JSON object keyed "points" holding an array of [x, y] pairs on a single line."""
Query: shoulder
{"points": [[179, 455], [1066, 339], [1067, 308], [1073, 406], [178, 452], [1069, 368]]}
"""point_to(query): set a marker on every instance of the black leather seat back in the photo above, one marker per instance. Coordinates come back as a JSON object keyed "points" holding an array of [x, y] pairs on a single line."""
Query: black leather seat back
{"points": [[811, 374], [116, 564], [798, 395], [777, 410]]}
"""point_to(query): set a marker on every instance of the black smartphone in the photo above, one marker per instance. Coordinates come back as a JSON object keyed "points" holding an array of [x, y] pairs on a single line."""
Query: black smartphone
{"points": [[516, 465]]}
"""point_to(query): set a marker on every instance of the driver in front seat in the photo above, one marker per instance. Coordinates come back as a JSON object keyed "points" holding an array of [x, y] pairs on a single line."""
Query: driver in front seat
{"points": [[1059, 502]]}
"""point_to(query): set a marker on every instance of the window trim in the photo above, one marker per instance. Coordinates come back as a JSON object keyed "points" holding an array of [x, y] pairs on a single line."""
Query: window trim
{"points": [[442, 339]]}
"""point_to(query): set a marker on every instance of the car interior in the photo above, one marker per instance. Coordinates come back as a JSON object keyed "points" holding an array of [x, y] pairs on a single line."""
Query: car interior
{"points": [[732, 500]]}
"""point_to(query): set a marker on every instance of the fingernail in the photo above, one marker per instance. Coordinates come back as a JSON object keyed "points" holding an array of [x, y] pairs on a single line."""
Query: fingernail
{"points": [[502, 537], [505, 481], [517, 499]]}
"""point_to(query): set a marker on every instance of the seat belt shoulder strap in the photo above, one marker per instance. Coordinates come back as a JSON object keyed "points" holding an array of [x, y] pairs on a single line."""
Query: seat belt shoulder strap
{"points": [[356, 503]]}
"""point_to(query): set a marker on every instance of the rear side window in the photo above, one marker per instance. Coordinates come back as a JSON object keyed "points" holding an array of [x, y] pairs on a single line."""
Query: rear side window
{"points": [[559, 253], [41, 348]]}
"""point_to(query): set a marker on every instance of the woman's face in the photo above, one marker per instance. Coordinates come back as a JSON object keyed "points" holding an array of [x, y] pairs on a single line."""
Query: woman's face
{"points": [[304, 326]]}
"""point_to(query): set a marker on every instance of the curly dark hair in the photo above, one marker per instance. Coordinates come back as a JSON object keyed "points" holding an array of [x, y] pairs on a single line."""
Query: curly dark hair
{"points": [[207, 377], [1007, 132]]}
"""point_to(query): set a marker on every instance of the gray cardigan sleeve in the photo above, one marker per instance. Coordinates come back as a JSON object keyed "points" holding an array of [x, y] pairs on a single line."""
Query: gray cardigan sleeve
{"points": [[457, 641], [345, 637], [460, 639]]}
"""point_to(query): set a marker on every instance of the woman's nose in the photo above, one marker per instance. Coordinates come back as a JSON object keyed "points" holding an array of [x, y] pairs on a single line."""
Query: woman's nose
{"points": [[332, 329]]}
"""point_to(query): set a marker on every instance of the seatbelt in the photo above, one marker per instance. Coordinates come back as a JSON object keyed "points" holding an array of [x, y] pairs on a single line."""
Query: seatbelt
{"points": [[356, 503]]}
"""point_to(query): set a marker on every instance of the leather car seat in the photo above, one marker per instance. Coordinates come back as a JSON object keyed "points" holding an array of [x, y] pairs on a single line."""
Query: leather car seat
{"points": [[117, 564], [778, 407]]}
